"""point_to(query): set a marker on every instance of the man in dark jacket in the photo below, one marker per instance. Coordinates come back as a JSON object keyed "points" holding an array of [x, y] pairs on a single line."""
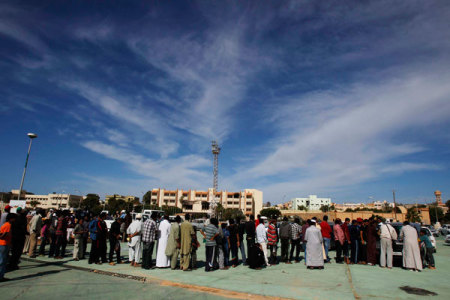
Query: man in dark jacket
{"points": [[241, 228], [285, 236], [18, 233], [102, 234], [114, 241], [250, 230]]}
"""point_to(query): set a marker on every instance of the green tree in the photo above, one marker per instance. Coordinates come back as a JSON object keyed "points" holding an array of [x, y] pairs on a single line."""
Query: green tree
{"points": [[75, 202], [232, 213], [412, 215], [332, 207], [219, 211], [147, 198], [349, 210], [447, 203], [270, 212], [171, 210], [115, 204], [433, 209], [92, 203], [34, 203], [302, 207], [324, 208]]}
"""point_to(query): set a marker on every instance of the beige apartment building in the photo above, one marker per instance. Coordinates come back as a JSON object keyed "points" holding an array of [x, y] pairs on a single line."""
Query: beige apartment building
{"points": [[53, 200], [249, 201]]}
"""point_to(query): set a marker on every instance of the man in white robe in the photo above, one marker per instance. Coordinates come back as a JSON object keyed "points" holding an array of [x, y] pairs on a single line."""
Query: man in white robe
{"points": [[411, 251], [314, 249], [134, 241], [162, 261]]}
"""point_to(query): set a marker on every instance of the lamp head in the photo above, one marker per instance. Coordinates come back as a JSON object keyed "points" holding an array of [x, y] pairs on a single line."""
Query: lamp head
{"points": [[32, 135]]}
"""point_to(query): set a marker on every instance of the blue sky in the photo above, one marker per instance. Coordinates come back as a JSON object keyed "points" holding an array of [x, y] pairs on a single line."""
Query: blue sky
{"points": [[346, 99]]}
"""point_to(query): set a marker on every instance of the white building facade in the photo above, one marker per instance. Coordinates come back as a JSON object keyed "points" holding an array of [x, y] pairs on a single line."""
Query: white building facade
{"points": [[54, 200], [311, 203], [249, 201]]}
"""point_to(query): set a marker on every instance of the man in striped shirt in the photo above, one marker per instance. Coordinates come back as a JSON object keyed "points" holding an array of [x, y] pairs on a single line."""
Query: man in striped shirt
{"points": [[210, 233], [296, 231], [272, 241], [148, 241]]}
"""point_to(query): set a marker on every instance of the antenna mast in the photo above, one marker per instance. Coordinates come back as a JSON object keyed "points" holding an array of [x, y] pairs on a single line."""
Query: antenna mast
{"points": [[215, 151]]}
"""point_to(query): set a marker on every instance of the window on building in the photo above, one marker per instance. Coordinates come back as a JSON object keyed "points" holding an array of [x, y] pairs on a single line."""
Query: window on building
{"points": [[187, 206], [205, 205]]}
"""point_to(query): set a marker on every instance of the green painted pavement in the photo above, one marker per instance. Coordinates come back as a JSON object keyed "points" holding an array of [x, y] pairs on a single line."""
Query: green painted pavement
{"points": [[295, 281]]}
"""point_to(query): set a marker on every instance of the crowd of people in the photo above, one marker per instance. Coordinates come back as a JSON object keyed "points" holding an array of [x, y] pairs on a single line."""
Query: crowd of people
{"points": [[176, 242]]}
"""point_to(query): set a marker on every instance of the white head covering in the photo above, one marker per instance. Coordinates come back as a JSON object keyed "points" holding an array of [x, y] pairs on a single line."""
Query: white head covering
{"points": [[139, 216]]}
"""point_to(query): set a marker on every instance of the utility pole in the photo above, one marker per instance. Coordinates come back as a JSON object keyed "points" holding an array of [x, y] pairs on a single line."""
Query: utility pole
{"points": [[215, 151], [395, 205]]}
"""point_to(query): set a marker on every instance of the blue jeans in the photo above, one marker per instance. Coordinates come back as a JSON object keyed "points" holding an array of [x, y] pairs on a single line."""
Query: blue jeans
{"points": [[304, 249], [242, 248], [4, 251], [326, 245]]}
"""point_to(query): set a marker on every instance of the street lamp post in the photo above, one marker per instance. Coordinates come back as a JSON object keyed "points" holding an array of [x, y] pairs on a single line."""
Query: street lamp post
{"points": [[31, 136]]}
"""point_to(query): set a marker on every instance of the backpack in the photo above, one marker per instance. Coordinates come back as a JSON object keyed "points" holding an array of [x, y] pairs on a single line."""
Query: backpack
{"points": [[285, 230]]}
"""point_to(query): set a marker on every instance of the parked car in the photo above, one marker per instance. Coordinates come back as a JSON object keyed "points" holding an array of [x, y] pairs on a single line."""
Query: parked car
{"points": [[447, 240], [199, 223], [445, 229]]}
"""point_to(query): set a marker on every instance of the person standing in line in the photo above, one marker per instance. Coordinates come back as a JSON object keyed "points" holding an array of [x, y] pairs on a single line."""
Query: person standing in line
{"points": [[210, 233], [304, 227], [430, 249], [195, 246], [61, 235], [314, 240], [411, 252], [387, 236], [78, 240], [52, 231], [285, 236], [220, 241], [45, 234], [355, 237], [272, 241], [5, 213], [250, 231], [347, 240], [85, 235], [325, 229], [233, 241], [226, 244], [148, 241], [134, 241], [363, 234], [5, 243], [162, 261], [114, 241], [187, 233], [339, 239], [296, 231], [372, 243], [173, 244], [102, 234], [18, 232], [261, 239], [241, 229], [35, 231]]}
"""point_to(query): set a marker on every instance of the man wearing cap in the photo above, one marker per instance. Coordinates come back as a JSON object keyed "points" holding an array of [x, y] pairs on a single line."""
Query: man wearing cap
{"points": [[134, 241], [4, 214]]}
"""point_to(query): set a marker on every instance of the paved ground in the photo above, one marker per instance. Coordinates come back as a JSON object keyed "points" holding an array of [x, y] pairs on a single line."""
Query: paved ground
{"points": [[282, 281]]}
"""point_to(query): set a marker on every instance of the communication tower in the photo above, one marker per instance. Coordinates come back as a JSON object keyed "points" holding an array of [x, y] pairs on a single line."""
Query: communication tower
{"points": [[215, 151]]}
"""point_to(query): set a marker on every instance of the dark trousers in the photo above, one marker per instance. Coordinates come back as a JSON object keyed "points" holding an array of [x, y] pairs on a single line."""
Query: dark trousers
{"points": [[93, 255], [85, 241], [354, 251], [61, 242], [147, 251], [345, 249], [112, 248], [250, 243], [52, 249], [193, 263], [284, 249], [429, 257], [234, 254], [273, 254], [295, 246], [42, 246], [210, 258], [16, 252], [338, 252], [363, 253], [102, 249]]}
